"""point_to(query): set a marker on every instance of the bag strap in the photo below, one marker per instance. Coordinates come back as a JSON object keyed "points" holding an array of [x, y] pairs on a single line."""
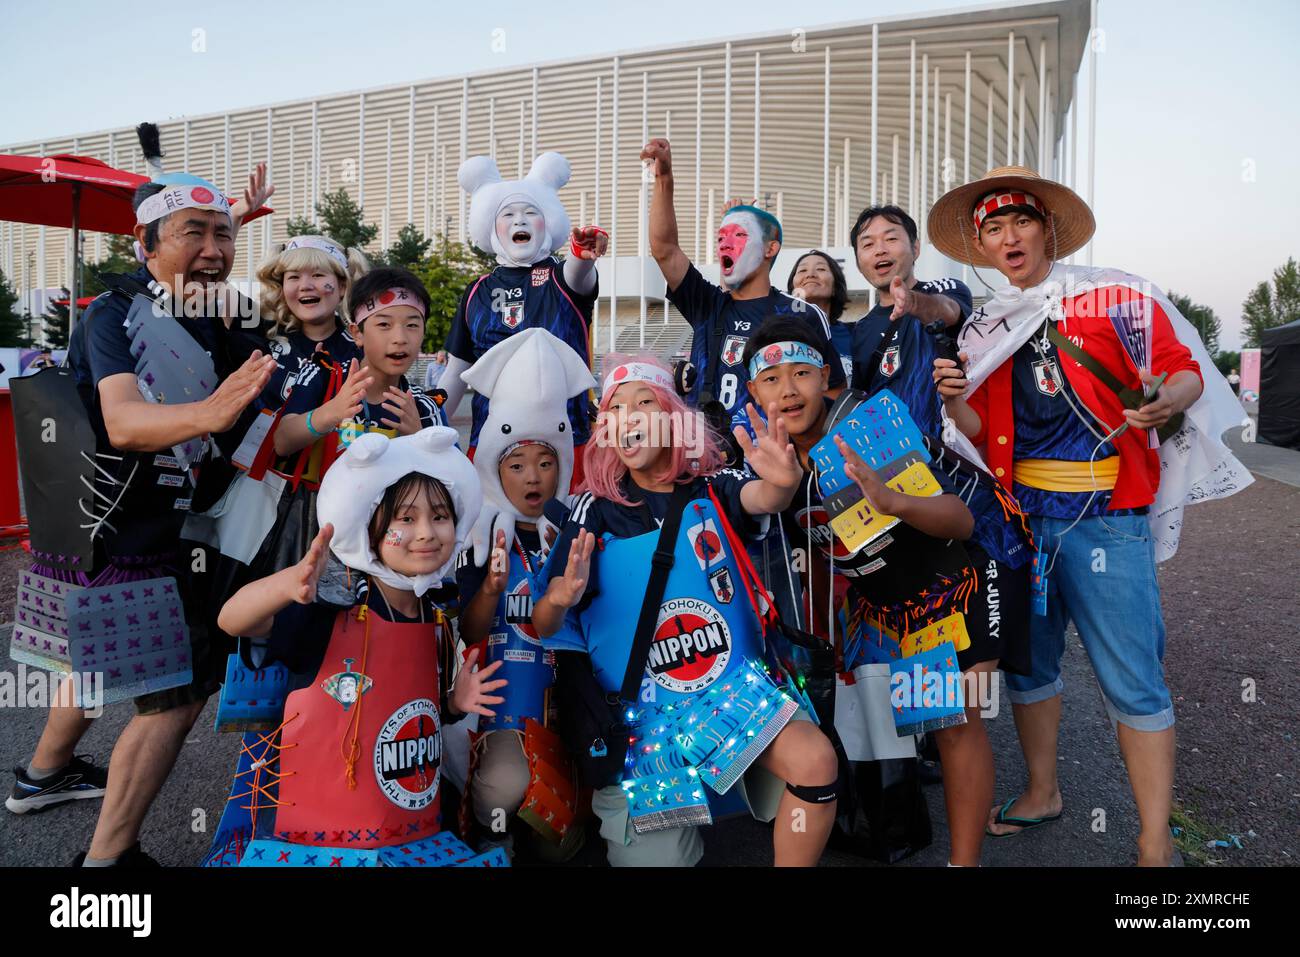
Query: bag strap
{"points": [[1089, 362], [660, 565], [754, 586]]}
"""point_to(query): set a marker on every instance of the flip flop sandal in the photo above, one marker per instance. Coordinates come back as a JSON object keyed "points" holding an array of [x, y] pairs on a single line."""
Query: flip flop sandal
{"points": [[1024, 823]]}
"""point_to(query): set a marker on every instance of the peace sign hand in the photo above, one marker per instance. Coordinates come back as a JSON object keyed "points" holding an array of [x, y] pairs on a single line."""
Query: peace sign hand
{"points": [[771, 455], [567, 590]]}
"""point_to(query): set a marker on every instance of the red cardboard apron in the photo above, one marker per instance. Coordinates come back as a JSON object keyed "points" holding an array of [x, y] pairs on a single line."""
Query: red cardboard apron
{"points": [[378, 687]]}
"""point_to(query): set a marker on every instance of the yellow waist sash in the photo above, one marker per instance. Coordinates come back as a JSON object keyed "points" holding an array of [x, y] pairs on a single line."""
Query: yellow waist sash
{"points": [[1054, 475]]}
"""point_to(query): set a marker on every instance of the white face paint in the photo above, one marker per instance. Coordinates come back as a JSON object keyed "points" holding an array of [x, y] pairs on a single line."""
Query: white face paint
{"points": [[740, 247], [519, 237]]}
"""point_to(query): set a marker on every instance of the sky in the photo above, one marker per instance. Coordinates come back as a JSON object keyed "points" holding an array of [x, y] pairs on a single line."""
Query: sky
{"points": [[1197, 132]]}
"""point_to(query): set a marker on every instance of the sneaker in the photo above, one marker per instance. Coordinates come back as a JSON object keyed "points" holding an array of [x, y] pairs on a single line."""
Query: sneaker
{"points": [[131, 857], [75, 781]]}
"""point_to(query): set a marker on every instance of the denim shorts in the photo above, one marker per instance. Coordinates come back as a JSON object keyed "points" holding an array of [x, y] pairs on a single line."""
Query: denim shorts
{"points": [[1103, 579]]}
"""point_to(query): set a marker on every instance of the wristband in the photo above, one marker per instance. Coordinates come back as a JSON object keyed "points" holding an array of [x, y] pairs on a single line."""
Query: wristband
{"points": [[319, 435], [577, 250]]}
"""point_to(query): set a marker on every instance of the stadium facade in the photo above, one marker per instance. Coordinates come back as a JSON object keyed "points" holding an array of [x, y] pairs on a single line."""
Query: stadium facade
{"points": [[813, 122]]}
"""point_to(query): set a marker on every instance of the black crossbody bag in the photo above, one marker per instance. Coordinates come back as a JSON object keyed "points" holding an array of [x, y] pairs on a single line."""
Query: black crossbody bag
{"points": [[593, 722]]}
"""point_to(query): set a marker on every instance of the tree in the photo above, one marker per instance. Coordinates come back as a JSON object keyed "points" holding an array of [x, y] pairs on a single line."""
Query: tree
{"points": [[301, 227], [13, 330], [120, 259], [1269, 306], [409, 250], [1225, 362], [1202, 318], [446, 272], [54, 323], [340, 219]]}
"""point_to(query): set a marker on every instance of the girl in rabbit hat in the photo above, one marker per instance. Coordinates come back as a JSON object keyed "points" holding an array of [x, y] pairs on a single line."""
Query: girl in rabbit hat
{"points": [[523, 224], [360, 746]]}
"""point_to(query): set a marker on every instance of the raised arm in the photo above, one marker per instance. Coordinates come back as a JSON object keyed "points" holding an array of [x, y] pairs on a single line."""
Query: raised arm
{"points": [[252, 610], [664, 246], [586, 245]]}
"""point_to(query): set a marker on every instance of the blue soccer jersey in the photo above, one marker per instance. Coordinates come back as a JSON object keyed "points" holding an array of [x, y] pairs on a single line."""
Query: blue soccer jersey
{"points": [[510, 299], [721, 326]]}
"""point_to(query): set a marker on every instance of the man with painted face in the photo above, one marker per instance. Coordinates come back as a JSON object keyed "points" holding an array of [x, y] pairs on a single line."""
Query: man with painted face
{"points": [[523, 223], [185, 230], [722, 319], [896, 343]]}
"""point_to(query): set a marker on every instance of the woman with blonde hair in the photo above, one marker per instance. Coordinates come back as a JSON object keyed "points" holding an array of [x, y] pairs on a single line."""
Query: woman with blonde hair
{"points": [[305, 286]]}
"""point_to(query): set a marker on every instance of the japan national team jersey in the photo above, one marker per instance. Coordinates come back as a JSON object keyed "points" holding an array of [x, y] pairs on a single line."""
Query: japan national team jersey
{"points": [[715, 316], [899, 355], [510, 299]]}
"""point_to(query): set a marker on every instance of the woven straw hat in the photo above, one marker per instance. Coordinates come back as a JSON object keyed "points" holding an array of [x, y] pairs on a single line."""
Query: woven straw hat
{"points": [[952, 226]]}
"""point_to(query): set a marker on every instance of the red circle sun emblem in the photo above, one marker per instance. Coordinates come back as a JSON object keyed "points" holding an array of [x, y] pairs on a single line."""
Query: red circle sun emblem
{"points": [[201, 194], [772, 354], [620, 373], [387, 296]]}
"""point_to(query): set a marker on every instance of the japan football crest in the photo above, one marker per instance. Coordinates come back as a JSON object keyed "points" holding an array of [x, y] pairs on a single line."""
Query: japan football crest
{"points": [[706, 543], [1047, 376], [512, 313], [889, 361], [720, 582], [733, 347]]}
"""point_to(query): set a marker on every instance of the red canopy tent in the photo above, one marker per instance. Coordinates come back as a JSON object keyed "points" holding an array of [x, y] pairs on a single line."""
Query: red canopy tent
{"points": [[76, 192]]}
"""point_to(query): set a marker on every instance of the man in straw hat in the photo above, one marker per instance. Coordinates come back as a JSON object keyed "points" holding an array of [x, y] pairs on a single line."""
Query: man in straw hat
{"points": [[1072, 377]]}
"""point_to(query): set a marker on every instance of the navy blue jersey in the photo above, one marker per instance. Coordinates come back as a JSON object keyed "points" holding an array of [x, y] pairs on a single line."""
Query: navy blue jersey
{"points": [[293, 351], [1048, 428], [148, 515], [510, 299], [469, 576], [842, 339], [600, 516], [900, 355], [716, 317], [312, 383]]}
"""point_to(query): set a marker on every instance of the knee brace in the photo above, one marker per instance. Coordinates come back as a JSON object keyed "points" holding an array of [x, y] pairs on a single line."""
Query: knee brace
{"points": [[816, 793]]}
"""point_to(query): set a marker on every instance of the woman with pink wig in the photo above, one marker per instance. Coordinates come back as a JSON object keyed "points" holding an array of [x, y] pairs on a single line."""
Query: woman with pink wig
{"points": [[648, 453]]}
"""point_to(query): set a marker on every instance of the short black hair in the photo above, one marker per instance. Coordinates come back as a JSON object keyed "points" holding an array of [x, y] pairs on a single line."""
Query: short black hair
{"points": [[892, 213], [386, 277], [143, 192], [839, 285], [786, 328]]}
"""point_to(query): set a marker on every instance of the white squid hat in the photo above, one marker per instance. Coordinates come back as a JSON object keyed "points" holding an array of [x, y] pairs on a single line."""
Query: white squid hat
{"points": [[528, 379], [480, 178], [356, 483]]}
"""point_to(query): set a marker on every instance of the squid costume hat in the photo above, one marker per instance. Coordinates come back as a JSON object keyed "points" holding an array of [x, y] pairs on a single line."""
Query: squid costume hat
{"points": [[528, 380], [529, 237], [356, 483]]}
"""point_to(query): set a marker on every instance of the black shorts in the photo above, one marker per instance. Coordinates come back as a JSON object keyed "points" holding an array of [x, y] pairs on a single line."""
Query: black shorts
{"points": [[997, 615]]}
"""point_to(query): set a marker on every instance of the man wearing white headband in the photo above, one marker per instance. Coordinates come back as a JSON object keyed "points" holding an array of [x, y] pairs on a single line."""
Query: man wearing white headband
{"points": [[1073, 378], [723, 319], [523, 224], [185, 229]]}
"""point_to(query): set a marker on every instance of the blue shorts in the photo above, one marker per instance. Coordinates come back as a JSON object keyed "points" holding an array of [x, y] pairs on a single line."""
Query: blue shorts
{"points": [[1104, 580]]}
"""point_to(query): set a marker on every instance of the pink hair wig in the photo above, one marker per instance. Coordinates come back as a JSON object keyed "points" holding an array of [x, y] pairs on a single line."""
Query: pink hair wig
{"points": [[604, 470]]}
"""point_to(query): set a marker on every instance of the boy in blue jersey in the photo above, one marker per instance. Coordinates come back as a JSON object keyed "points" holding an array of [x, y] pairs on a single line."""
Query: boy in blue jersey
{"points": [[523, 223], [723, 319], [896, 343]]}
